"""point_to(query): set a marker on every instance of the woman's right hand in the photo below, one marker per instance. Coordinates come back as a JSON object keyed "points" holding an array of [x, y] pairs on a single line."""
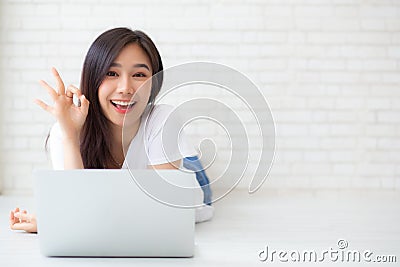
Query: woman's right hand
{"points": [[70, 117]]}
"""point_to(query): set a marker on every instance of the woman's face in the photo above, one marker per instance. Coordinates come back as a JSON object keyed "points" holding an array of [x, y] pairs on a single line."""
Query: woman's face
{"points": [[124, 91]]}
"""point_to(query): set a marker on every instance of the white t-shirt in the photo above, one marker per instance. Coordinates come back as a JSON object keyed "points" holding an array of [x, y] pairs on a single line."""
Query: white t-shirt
{"points": [[152, 145]]}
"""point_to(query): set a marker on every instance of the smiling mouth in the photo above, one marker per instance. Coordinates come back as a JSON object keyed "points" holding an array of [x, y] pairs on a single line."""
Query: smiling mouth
{"points": [[123, 106]]}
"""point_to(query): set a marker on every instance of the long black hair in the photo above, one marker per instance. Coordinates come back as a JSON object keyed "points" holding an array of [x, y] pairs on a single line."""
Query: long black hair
{"points": [[95, 143]]}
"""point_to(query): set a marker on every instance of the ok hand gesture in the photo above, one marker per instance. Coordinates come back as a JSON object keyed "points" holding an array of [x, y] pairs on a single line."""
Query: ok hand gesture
{"points": [[71, 117]]}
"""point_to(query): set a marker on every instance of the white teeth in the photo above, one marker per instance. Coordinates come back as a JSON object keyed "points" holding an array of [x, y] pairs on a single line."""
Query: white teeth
{"points": [[123, 103]]}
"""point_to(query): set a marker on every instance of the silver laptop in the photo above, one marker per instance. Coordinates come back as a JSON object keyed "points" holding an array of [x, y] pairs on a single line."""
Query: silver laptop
{"points": [[115, 213]]}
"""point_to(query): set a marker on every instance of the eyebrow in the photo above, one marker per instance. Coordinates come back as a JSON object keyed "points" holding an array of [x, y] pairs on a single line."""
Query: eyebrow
{"points": [[139, 65]]}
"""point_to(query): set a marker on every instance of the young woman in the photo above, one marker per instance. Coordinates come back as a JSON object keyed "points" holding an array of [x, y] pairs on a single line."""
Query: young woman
{"points": [[116, 97]]}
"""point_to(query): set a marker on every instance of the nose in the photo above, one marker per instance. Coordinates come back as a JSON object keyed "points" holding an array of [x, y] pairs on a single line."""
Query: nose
{"points": [[126, 85]]}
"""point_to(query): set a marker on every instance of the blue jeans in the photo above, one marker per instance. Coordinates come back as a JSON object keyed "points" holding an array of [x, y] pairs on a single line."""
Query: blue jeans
{"points": [[194, 164]]}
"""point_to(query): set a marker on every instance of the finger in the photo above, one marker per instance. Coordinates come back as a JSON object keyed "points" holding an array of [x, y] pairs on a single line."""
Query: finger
{"points": [[53, 94], [23, 216], [69, 94], [71, 91], [60, 83], [43, 105], [20, 226], [84, 102], [11, 218], [16, 210], [74, 90], [15, 218]]}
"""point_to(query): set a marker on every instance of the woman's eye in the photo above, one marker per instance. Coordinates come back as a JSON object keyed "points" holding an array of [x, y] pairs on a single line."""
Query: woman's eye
{"points": [[112, 73], [139, 74]]}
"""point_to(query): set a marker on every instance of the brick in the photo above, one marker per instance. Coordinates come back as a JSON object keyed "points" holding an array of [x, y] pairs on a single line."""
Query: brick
{"points": [[369, 38], [308, 24], [41, 23], [349, 103], [298, 143], [326, 37], [321, 103], [275, 50], [373, 25], [51, 10], [313, 11], [394, 52], [378, 103], [291, 130], [343, 169], [372, 65], [319, 116], [319, 130], [266, 64], [316, 64], [377, 156], [342, 116], [277, 11], [342, 25], [381, 130], [347, 156], [391, 78], [349, 129], [332, 142], [308, 77], [392, 24], [71, 11], [389, 116], [339, 77], [22, 36], [292, 116], [379, 11], [290, 155], [388, 182], [312, 168], [316, 156], [383, 89], [347, 10], [388, 143], [277, 24], [366, 182], [381, 65], [375, 169]]}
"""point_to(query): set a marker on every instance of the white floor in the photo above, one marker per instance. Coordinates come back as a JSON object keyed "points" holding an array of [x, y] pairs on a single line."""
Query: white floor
{"points": [[283, 220]]}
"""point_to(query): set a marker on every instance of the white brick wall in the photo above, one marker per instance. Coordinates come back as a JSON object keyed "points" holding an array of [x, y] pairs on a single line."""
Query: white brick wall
{"points": [[329, 69]]}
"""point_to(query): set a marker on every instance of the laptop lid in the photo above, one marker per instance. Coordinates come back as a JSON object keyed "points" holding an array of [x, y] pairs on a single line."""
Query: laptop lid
{"points": [[115, 213]]}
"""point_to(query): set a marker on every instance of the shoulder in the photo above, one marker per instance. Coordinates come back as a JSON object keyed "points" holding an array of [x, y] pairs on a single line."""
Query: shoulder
{"points": [[161, 110], [159, 113], [157, 118]]}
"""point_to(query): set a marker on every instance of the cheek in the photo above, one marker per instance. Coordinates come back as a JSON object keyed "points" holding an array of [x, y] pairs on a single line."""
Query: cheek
{"points": [[102, 95], [145, 89]]}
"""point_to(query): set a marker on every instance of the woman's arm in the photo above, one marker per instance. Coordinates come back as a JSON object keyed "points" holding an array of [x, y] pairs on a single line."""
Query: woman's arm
{"points": [[167, 166], [72, 154], [70, 117]]}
